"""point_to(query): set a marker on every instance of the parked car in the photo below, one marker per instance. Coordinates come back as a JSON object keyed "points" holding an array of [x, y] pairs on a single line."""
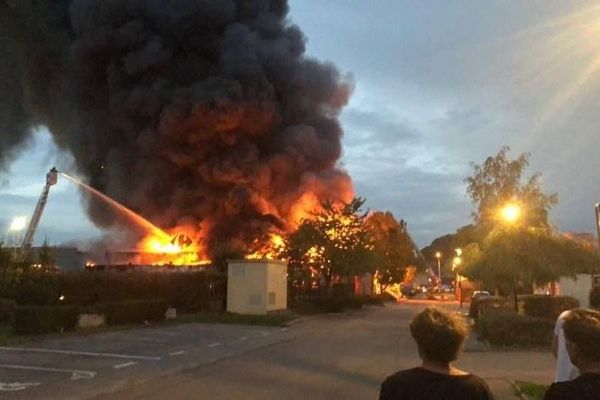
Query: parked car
{"points": [[478, 294]]}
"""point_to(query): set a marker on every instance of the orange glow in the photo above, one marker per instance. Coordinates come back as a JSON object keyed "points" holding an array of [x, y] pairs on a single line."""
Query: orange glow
{"points": [[271, 250], [176, 248]]}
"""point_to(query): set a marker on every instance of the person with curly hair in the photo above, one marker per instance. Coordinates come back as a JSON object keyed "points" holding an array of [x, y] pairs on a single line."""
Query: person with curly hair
{"points": [[582, 339], [439, 336]]}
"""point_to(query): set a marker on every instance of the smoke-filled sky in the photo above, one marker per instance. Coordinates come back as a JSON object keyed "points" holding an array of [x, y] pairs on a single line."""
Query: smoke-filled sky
{"points": [[436, 86]]}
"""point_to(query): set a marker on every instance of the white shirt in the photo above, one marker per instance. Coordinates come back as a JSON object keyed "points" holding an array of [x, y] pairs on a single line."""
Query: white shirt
{"points": [[565, 371]]}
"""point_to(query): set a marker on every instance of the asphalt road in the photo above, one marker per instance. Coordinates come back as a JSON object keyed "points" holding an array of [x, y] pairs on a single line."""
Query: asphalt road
{"points": [[334, 356]]}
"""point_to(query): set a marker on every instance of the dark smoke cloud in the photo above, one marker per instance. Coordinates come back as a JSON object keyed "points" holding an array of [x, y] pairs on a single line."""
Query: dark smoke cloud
{"points": [[190, 112]]}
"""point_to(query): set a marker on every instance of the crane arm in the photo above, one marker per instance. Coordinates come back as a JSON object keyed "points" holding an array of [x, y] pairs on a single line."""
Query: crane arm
{"points": [[51, 179]]}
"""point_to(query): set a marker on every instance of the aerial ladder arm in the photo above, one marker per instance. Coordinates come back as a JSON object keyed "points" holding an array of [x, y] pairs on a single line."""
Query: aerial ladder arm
{"points": [[51, 179]]}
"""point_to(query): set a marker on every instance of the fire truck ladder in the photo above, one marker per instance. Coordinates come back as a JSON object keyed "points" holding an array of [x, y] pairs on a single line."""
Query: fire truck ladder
{"points": [[51, 179]]}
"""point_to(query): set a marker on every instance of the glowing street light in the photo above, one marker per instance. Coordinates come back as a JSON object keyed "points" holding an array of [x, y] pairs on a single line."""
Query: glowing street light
{"points": [[17, 224], [510, 213], [457, 282], [438, 255]]}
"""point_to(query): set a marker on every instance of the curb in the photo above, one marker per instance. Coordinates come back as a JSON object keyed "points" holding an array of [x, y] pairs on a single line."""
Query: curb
{"points": [[518, 392]]}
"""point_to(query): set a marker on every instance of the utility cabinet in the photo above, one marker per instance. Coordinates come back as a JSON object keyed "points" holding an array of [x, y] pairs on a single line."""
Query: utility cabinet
{"points": [[256, 286]]}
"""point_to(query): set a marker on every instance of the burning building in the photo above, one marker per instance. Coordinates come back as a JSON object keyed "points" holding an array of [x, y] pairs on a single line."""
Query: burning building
{"points": [[204, 117]]}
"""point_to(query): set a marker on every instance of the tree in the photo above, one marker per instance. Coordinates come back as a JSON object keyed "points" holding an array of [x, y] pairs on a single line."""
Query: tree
{"points": [[393, 248], [447, 244], [499, 180], [332, 243], [513, 257], [6, 260], [45, 257]]}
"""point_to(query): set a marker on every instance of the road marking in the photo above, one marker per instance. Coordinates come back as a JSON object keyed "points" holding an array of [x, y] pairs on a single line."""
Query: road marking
{"points": [[75, 373], [16, 386], [78, 353], [124, 365], [215, 344], [265, 334], [177, 353], [244, 338], [284, 329]]}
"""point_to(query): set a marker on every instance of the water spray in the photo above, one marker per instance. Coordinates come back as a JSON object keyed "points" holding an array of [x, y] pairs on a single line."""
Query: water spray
{"points": [[134, 217]]}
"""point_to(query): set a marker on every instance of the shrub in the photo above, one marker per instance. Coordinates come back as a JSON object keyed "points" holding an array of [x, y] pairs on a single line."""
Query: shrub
{"points": [[7, 310], [483, 305], [548, 307], [507, 328], [595, 296], [342, 290], [329, 305], [30, 320], [371, 300], [38, 288], [386, 297], [186, 291], [353, 303], [132, 311]]}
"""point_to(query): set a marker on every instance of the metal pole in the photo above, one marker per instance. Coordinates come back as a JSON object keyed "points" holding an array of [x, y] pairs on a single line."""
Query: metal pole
{"points": [[597, 207], [439, 274]]}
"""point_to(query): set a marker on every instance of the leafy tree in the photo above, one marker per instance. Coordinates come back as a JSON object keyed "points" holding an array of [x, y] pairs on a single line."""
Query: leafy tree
{"points": [[332, 243], [517, 257], [393, 248], [499, 180], [447, 244]]}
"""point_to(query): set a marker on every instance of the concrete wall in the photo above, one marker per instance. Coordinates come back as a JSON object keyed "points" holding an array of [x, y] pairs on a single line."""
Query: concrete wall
{"points": [[276, 286], [578, 287], [256, 286]]}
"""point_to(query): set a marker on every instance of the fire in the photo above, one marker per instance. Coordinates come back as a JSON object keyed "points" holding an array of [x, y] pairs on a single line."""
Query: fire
{"points": [[176, 249], [271, 250]]}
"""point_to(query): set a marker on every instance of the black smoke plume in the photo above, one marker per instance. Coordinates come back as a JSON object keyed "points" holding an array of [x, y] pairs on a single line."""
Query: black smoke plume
{"points": [[198, 112]]}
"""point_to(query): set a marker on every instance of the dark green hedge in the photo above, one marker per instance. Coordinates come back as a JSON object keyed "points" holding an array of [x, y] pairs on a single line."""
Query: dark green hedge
{"points": [[505, 328], [30, 320], [7, 310], [548, 307], [484, 305], [371, 300], [132, 311], [595, 297], [186, 291]]}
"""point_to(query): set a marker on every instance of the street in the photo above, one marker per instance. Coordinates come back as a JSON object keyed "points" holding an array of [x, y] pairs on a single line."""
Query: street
{"points": [[331, 356]]}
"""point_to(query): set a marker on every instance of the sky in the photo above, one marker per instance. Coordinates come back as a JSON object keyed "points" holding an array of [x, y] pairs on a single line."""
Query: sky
{"points": [[438, 85]]}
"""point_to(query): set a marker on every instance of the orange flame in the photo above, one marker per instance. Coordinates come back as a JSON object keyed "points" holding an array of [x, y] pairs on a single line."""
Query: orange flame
{"points": [[270, 250], [176, 249]]}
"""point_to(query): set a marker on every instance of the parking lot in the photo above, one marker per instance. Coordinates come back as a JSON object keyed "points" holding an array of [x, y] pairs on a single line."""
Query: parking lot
{"points": [[85, 366]]}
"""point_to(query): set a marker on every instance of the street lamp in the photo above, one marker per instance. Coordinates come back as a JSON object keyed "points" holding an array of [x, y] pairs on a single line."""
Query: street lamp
{"points": [[438, 255], [597, 208], [455, 263], [510, 213]]}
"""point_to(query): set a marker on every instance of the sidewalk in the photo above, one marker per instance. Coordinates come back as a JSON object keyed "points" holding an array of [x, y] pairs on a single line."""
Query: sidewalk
{"points": [[502, 389]]}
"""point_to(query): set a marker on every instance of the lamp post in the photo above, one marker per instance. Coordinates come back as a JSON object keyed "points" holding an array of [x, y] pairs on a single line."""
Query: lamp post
{"points": [[438, 255], [597, 208], [455, 263], [510, 214]]}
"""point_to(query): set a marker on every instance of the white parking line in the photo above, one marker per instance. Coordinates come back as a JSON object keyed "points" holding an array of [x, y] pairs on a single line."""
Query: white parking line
{"points": [[244, 338], [215, 344], [16, 386], [78, 353], [124, 365], [265, 334], [284, 329], [75, 373], [177, 353]]}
